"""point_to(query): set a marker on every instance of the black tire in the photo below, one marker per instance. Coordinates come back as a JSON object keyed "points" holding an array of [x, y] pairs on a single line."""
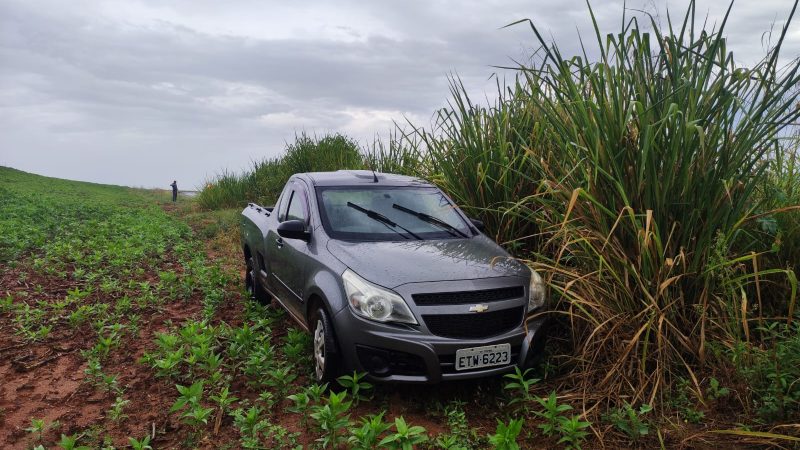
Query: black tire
{"points": [[252, 284], [326, 369]]}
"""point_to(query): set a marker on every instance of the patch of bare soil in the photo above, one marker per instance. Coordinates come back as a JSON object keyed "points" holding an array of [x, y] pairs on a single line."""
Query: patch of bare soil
{"points": [[47, 380]]}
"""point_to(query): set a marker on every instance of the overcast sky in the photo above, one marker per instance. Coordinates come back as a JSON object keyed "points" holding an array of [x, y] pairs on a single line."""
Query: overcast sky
{"points": [[141, 92]]}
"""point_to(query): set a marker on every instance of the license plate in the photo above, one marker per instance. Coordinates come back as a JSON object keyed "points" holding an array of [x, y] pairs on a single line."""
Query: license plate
{"points": [[477, 357]]}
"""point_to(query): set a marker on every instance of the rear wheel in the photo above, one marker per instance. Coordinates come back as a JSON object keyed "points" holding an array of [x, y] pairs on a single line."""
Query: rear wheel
{"points": [[252, 284], [326, 358]]}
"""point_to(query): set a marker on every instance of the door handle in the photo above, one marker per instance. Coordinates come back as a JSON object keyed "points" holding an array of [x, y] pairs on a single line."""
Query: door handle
{"points": [[279, 242]]}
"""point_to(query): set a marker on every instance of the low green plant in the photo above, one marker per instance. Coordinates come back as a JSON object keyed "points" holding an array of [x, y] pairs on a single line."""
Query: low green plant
{"points": [[367, 436], [224, 400], [316, 391], [39, 427], [193, 413], [280, 379], [505, 436], [71, 443], [683, 400], [296, 346], [551, 413], [405, 437], [269, 399], [301, 403], [332, 419], [140, 444], [280, 437], [249, 423], [447, 441], [6, 303], [630, 421], [572, 431], [355, 384], [520, 386], [715, 391], [771, 370], [460, 435], [116, 413]]}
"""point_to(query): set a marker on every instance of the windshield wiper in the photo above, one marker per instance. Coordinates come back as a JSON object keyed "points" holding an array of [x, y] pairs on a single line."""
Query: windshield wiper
{"points": [[383, 219], [431, 220]]}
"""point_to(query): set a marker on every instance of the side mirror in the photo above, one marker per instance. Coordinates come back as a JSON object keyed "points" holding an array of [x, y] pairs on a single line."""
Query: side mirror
{"points": [[478, 224], [294, 229]]}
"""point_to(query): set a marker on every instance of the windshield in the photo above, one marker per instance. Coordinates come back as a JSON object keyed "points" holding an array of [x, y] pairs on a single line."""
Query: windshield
{"points": [[389, 213]]}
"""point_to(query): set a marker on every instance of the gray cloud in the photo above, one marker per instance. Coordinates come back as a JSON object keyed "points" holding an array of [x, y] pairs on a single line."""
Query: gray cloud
{"points": [[141, 92]]}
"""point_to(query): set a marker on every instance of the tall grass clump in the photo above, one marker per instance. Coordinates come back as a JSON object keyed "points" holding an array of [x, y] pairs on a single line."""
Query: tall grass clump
{"points": [[263, 183], [634, 177], [782, 193], [479, 155], [225, 190], [394, 156]]}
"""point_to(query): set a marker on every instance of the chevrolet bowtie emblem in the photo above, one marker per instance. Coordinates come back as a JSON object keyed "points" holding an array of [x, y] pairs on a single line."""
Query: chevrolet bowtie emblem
{"points": [[479, 308]]}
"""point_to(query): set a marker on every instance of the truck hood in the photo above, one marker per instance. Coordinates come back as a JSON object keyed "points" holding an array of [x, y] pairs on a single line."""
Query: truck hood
{"points": [[391, 264]]}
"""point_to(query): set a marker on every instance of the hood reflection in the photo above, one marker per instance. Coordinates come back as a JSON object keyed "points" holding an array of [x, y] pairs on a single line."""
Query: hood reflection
{"points": [[391, 264]]}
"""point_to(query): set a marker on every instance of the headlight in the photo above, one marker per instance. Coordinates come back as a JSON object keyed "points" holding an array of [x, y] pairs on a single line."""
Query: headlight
{"points": [[373, 302], [537, 294]]}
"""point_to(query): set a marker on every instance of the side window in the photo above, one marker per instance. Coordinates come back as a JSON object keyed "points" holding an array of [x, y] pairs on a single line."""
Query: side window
{"points": [[297, 207], [283, 202]]}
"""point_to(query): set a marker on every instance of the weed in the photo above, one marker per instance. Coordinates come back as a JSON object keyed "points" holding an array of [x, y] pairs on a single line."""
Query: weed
{"points": [[301, 404], [505, 437], [316, 391], [520, 386], [355, 385], [71, 443], [629, 420], [140, 444], [405, 437], [367, 436], [715, 391], [572, 431], [551, 414], [224, 400], [684, 404], [7, 303], [280, 379], [296, 346], [446, 441], [38, 427], [193, 413], [332, 419], [116, 412]]}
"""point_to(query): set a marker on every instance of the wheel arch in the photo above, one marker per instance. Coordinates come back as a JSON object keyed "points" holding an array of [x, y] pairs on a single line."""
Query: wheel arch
{"points": [[324, 288]]}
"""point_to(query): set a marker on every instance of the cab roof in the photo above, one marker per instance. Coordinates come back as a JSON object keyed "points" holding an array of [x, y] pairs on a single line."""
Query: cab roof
{"points": [[361, 178]]}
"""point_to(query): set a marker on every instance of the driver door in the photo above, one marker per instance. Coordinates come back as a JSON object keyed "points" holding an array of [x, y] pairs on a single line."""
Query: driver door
{"points": [[289, 257]]}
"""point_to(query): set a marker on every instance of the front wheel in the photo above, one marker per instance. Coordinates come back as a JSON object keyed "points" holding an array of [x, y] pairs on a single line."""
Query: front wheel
{"points": [[326, 360]]}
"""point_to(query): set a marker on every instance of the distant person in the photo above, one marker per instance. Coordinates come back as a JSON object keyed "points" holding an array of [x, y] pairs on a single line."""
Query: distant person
{"points": [[174, 190]]}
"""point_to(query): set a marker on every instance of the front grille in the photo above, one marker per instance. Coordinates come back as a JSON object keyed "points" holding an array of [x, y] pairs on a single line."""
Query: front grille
{"points": [[474, 325], [465, 297]]}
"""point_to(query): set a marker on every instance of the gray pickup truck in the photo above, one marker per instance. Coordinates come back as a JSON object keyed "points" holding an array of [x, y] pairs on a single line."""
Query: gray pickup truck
{"points": [[392, 279]]}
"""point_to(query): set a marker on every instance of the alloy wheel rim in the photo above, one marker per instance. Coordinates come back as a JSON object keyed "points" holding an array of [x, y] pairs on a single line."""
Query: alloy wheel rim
{"points": [[319, 349]]}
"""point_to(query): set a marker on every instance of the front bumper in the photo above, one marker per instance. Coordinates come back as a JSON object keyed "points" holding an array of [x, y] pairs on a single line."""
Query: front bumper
{"points": [[420, 357]]}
